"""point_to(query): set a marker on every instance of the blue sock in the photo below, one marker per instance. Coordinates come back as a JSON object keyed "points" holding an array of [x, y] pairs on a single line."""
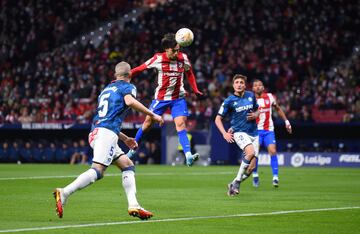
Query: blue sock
{"points": [[130, 168], [138, 135], [184, 141], [256, 166], [98, 173], [274, 165], [255, 171]]}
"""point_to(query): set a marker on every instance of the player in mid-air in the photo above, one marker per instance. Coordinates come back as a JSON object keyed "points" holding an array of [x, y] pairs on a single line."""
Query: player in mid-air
{"points": [[113, 102], [266, 129], [171, 66], [243, 111]]}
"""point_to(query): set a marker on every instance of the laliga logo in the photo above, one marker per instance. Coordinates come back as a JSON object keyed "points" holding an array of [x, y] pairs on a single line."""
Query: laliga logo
{"points": [[297, 160]]}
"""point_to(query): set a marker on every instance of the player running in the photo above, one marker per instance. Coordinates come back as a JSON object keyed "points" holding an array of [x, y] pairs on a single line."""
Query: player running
{"points": [[265, 126], [113, 102], [242, 108], [171, 67]]}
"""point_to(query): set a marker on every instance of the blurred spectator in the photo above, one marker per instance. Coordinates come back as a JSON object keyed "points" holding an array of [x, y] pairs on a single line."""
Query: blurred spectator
{"points": [[75, 153], [15, 153], [39, 153], [5, 152], [63, 153], [148, 153], [26, 153], [80, 152], [50, 152]]}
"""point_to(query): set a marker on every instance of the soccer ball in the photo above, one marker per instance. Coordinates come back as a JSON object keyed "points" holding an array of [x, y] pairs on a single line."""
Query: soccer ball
{"points": [[184, 37]]}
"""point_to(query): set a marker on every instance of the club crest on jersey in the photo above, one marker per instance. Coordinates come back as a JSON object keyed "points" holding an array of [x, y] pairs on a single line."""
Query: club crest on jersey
{"points": [[235, 103], [180, 65], [267, 102], [250, 99]]}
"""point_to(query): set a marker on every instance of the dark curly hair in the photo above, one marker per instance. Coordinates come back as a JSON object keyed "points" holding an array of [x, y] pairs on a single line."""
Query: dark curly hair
{"points": [[168, 41]]}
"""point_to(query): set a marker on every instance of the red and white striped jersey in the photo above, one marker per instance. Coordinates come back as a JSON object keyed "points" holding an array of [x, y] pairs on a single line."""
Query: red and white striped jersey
{"points": [[170, 75], [264, 121]]}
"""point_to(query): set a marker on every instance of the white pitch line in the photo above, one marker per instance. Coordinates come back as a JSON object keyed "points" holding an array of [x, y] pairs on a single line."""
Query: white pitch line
{"points": [[178, 219], [118, 174]]}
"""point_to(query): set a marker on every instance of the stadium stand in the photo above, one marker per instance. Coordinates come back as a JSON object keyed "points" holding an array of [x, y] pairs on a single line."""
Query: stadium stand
{"points": [[313, 71]]}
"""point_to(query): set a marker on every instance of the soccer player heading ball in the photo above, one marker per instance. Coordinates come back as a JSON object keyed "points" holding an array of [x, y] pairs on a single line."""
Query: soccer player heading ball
{"points": [[171, 65]]}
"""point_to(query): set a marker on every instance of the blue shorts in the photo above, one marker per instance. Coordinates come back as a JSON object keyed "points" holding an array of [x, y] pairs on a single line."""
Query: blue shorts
{"points": [[178, 107], [266, 138]]}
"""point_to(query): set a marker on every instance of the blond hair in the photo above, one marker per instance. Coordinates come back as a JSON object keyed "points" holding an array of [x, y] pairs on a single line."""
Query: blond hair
{"points": [[122, 69]]}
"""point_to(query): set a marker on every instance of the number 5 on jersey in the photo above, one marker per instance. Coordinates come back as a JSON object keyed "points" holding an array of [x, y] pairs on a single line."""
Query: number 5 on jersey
{"points": [[103, 105]]}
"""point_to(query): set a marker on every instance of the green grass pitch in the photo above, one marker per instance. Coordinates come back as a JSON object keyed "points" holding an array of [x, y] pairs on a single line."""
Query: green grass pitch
{"points": [[184, 200]]}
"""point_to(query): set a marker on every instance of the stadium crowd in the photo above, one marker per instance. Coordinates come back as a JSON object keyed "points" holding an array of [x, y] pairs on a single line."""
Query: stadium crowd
{"points": [[28, 28], [297, 48], [304, 51]]}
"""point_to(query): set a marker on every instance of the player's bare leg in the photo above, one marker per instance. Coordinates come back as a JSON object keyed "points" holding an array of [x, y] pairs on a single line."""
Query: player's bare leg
{"points": [[180, 124], [129, 184]]}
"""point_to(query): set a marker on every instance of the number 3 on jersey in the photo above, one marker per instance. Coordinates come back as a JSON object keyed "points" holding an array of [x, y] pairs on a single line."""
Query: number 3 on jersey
{"points": [[103, 105]]}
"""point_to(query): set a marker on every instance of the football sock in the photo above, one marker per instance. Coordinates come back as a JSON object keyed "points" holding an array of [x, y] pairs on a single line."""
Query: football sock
{"points": [[244, 165], [274, 165], [244, 176], [184, 141], [129, 184], [138, 135], [255, 172], [82, 181]]}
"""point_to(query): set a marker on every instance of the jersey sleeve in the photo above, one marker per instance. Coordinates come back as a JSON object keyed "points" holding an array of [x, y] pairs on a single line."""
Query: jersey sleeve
{"points": [[150, 63], [224, 108], [186, 62], [272, 99], [190, 73], [129, 89]]}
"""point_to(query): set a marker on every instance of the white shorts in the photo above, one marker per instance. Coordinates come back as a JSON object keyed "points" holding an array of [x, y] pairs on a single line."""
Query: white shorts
{"points": [[243, 139], [104, 143]]}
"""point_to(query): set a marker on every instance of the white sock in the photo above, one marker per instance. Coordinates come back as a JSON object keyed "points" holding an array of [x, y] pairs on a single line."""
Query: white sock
{"points": [[83, 180], [244, 177], [255, 174], [129, 184], [188, 154], [241, 171]]}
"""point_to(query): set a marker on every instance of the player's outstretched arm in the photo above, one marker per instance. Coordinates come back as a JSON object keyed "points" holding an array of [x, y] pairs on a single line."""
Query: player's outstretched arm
{"points": [[228, 136], [136, 105], [129, 141], [191, 78], [135, 71], [283, 117]]}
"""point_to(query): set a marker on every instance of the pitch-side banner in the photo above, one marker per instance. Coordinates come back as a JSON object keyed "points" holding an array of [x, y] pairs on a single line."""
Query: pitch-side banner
{"points": [[313, 159], [59, 126]]}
